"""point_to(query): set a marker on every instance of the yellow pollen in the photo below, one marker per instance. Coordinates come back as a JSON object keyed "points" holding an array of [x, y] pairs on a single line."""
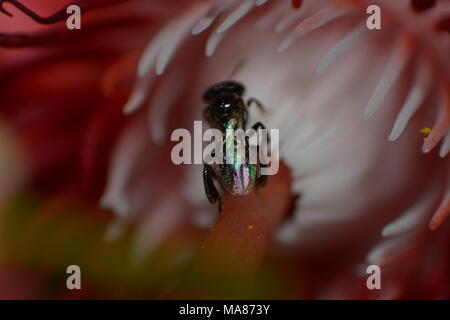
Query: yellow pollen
{"points": [[250, 227], [426, 131]]}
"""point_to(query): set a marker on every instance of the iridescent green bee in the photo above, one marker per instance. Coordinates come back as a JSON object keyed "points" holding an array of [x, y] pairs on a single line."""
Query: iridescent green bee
{"points": [[227, 110]]}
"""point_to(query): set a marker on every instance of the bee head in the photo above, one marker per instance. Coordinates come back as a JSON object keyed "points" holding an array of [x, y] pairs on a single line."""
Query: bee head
{"points": [[221, 89]]}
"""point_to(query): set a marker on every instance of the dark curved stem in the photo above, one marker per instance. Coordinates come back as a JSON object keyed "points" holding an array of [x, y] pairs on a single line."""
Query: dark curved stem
{"points": [[17, 40], [85, 5]]}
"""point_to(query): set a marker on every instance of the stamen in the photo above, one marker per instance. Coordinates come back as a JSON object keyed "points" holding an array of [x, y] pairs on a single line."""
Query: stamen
{"points": [[350, 40], [441, 214], [392, 250], [236, 15], [125, 155], [203, 24], [165, 43], [413, 101], [314, 22], [287, 20], [395, 66], [177, 33], [161, 49], [261, 2], [165, 97], [414, 216], [213, 42], [273, 13], [291, 17], [445, 148], [211, 15], [151, 51], [321, 18], [287, 42], [442, 125], [169, 49], [139, 94]]}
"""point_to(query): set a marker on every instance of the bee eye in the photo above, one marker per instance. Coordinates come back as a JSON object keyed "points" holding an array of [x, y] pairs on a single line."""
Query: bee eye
{"points": [[224, 109]]}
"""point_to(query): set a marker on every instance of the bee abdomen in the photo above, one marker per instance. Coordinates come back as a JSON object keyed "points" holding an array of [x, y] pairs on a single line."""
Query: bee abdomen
{"points": [[236, 179]]}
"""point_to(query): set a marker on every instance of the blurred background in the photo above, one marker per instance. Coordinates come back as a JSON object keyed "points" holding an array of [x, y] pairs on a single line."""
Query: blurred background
{"points": [[86, 176]]}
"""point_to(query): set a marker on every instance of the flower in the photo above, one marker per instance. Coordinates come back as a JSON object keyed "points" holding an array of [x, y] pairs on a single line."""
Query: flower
{"points": [[337, 92]]}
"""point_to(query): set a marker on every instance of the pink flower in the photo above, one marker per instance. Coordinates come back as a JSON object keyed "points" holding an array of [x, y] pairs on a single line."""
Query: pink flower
{"points": [[364, 185]]}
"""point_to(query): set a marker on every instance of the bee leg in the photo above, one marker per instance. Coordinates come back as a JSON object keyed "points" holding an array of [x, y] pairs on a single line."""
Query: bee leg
{"points": [[261, 180], [245, 117], [258, 104], [210, 189], [259, 125]]}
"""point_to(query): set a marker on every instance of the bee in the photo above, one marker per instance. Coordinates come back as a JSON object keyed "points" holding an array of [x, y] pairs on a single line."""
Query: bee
{"points": [[226, 110]]}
